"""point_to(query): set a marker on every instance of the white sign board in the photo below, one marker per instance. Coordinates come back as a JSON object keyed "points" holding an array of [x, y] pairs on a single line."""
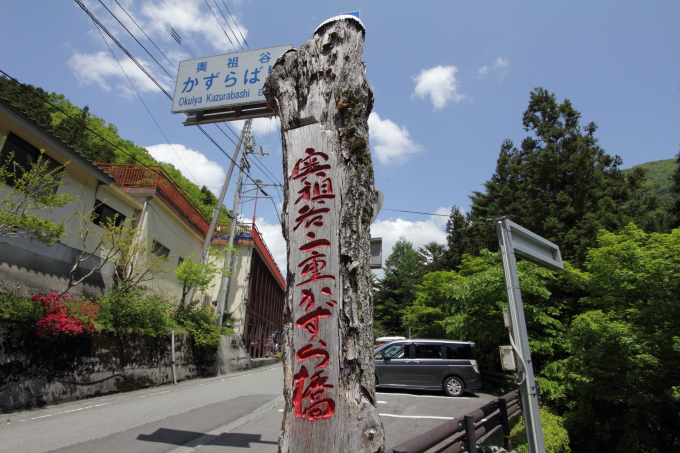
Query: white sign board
{"points": [[534, 248], [224, 80]]}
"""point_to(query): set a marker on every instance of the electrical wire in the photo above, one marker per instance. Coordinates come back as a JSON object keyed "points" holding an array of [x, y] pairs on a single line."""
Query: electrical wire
{"points": [[220, 24], [77, 121], [146, 107], [416, 212], [96, 21], [227, 22], [135, 38], [179, 41], [168, 27], [237, 27], [147, 36]]}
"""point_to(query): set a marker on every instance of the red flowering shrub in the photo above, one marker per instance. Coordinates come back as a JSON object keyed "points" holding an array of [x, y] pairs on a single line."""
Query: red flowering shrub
{"points": [[64, 314]]}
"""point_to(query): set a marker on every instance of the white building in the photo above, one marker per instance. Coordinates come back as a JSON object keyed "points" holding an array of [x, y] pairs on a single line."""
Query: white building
{"points": [[169, 220]]}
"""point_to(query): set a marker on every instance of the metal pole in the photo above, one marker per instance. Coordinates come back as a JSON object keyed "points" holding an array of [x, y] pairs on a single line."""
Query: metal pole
{"points": [[224, 286], [520, 340], [220, 200], [174, 372], [470, 440], [505, 424]]}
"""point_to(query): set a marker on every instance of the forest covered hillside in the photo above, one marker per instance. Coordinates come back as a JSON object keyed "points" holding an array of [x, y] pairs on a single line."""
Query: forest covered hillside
{"points": [[659, 181], [93, 137]]}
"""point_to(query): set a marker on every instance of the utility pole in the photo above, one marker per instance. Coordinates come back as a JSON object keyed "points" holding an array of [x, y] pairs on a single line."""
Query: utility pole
{"points": [[223, 293], [220, 200]]}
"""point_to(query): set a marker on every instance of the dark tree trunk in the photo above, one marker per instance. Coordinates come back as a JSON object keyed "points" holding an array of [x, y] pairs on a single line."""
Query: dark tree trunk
{"points": [[322, 96]]}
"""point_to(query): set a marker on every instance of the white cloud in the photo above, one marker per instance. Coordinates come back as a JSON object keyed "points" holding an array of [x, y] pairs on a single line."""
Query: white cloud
{"points": [[260, 127], [192, 19], [273, 237], [390, 143], [418, 233], [192, 164], [499, 64], [440, 84], [442, 218], [102, 69]]}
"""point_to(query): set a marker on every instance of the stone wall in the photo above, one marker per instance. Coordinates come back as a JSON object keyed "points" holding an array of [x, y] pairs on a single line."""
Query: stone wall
{"points": [[36, 371]]}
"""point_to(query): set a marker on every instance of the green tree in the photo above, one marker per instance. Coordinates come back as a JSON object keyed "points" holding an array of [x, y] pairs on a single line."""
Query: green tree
{"points": [[121, 244], [468, 305], [675, 189], [28, 98], [620, 387], [28, 194], [559, 184], [396, 291], [432, 305], [196, 275], [458, 238], [433, 257]]}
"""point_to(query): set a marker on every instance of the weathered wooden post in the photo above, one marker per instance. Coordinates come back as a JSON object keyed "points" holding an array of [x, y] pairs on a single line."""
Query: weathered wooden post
{"points": [[322, 96]]}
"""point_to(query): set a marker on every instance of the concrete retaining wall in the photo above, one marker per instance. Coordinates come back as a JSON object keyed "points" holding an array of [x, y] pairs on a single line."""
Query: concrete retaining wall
{"points": [[35, 371]]}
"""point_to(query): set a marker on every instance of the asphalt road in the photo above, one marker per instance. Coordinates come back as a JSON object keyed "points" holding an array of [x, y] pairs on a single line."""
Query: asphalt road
{"points": [[226, 414]]}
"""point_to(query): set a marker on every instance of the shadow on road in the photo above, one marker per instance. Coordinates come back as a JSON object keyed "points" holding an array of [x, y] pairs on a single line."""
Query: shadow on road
{"points": [[180, 437]]}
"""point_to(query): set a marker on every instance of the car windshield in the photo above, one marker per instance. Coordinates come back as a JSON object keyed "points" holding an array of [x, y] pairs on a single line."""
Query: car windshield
{"points": [[394, 351]]}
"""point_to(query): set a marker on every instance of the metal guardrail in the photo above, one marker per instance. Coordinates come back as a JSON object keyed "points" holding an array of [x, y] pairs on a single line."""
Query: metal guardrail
{"points": [[462, 433], [503, 379]]}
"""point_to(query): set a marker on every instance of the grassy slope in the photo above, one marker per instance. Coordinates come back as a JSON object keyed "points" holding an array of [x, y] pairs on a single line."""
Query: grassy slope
{"points": [[658, 178]]}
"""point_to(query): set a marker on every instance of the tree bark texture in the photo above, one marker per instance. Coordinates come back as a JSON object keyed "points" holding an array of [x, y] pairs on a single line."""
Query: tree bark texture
{"points": [[323, 98]]}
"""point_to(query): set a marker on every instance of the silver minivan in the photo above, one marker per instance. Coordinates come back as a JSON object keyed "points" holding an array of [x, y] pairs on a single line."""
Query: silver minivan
{"points": [[428, 364]]}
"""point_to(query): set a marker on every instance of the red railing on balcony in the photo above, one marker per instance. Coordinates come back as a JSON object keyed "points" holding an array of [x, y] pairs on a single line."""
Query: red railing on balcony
{"points": [[250, 231], [154, 176]]}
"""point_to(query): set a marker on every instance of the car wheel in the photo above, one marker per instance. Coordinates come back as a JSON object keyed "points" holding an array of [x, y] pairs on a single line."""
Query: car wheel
{"points": [[453, 386]]}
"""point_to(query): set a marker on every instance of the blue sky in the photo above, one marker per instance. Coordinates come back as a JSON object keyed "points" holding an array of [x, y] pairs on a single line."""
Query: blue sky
{"points": [[451, 81]]}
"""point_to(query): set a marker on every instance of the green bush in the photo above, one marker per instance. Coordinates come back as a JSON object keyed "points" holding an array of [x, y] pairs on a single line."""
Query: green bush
{"points": [[554, 434], [228, 331], [135, 309], [200, 323], [18, 313]]}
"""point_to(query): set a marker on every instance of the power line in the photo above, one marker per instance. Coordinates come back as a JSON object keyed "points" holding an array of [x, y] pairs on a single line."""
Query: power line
{"points": [[96, 21], [178, 39], [236, 25], [220, 24], [168, 27], [227, 22], [79, 122], [415, 212], [147, 36], [146, 107], [135, 38]]}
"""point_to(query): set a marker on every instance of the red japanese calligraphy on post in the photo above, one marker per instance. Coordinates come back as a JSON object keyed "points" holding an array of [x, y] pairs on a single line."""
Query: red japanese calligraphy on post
{"points": [[320, 407], [311, 164], [313, 208]]}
